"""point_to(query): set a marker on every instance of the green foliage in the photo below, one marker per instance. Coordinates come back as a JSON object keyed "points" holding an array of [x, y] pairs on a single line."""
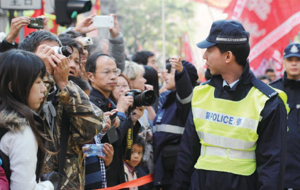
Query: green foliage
{"points": [[142, 25]]}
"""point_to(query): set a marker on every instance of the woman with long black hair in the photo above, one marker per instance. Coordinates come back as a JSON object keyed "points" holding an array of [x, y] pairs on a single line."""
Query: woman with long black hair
{"points": [[22, 92]]}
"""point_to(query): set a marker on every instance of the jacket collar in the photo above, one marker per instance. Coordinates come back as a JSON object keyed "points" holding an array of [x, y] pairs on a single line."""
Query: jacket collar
{"points": [[99, 97], [290, 82], [246, 78]]}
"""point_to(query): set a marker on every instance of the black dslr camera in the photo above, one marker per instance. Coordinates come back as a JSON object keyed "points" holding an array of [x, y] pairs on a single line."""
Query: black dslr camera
{"points": [[146, 98]]}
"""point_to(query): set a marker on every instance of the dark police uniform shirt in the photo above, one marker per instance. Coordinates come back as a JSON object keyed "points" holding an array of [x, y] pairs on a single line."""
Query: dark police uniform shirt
{"points": [[270, 150], [292, 89], [174, 112]]}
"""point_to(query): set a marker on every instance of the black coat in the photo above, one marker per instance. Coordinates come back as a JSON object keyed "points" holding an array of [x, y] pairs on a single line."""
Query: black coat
{"points": [[270, 151], [292, 89]]}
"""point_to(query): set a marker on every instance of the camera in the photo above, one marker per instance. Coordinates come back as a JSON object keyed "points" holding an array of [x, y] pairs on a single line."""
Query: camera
{"points": [[36, 23], [146, 98], [86, 41], [64, 50]]}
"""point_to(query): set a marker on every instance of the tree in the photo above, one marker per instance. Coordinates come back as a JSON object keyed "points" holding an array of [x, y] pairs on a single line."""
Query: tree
{"points": [[142, 25]]}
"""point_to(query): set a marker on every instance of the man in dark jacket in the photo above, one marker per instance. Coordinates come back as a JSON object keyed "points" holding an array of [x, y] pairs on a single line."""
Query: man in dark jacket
{"points": [[235, 134], [102, 72], [290, 84]]}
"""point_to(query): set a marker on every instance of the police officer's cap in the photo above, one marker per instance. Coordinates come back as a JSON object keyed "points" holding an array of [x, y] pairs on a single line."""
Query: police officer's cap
{"points": [[292, 50], [225, 32]]}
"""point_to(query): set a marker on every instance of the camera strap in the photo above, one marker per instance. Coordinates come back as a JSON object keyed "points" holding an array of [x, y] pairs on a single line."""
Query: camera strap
{"points": [[64, 130], [129, 143]]}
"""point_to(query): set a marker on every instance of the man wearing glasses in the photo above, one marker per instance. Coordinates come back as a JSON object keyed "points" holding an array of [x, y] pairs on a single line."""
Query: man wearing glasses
{"points": [[102, 72]]}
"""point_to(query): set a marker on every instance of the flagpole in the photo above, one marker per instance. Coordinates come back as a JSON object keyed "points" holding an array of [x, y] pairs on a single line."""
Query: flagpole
{"points": [[163, 34]]}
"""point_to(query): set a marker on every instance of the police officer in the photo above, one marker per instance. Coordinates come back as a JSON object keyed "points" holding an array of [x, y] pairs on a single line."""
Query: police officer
{"points": [[235, 135], [290, 84]]}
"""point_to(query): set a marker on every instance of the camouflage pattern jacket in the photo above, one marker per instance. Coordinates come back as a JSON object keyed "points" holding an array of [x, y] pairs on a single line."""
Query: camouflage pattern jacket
{"points": [[85, 122]]}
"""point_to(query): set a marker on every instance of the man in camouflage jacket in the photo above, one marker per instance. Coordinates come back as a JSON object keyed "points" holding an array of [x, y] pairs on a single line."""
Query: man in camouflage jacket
{"points": [[85, 119]]}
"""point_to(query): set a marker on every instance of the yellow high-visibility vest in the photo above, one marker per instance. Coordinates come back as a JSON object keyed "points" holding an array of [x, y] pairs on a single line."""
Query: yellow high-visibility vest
{"points": [[228, 130]]}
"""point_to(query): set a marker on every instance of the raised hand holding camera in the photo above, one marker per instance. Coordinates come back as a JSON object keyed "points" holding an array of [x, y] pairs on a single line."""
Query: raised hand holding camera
{"points": [[61, 70]]}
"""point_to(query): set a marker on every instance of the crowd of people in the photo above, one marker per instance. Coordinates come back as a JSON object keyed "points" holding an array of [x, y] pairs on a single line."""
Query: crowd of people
{"points": [[60, 95]]}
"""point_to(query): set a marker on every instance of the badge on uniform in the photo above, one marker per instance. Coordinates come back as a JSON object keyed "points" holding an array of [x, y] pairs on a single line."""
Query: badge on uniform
{"points": [[160, 116]]}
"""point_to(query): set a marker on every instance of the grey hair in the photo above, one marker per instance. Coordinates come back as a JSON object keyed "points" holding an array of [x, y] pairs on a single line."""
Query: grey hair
{"points": [[132, 70]]}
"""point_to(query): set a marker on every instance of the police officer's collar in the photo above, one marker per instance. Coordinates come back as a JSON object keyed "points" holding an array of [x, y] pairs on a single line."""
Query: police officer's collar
{"points": [[290, 82]]}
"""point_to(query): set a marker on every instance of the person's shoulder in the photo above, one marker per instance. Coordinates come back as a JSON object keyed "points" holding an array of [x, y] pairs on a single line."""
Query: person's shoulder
{"points": [[204, 83], [277, 83], [264, 88]]}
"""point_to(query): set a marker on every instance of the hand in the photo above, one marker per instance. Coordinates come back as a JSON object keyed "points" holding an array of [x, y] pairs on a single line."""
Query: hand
{"points": [[85, 26], [176, 64], [107, 121], [136, 114], [44, 52], [108, 150], [148, 87], [61, 70], [114, 31], [124, 103], [45, 20], [16, 25], [85, 154], [116, 122]]}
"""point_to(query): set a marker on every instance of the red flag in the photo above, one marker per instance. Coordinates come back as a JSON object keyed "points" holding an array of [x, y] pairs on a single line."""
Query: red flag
{"points": [[187, 50], [272, 25]]}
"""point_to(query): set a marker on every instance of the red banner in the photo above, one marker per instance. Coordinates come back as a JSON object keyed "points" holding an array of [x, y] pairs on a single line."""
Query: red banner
{"points": [[187, 50], [272, 24]]}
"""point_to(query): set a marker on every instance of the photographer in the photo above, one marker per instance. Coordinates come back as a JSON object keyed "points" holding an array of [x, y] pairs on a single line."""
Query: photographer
{"points": [[134, 72], [68, 110], [103, 72]]}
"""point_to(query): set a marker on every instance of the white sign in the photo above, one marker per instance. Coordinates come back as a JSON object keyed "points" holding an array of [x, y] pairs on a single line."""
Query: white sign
{"points": [[21, 4]]}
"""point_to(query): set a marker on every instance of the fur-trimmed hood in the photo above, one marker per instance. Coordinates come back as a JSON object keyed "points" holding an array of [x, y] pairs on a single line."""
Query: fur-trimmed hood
{"points": [[12, 121]]}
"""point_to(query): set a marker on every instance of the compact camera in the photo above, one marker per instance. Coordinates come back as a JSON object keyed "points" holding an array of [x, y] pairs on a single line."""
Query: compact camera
{"points": [[64, 50], [36, 23], [146, 98], [86, 41]]}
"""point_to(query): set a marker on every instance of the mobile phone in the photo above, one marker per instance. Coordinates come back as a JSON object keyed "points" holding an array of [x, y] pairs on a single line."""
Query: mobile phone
{"points": [[103, 21], [112, 135], [94, 150], [36, 23], [113, 117]]}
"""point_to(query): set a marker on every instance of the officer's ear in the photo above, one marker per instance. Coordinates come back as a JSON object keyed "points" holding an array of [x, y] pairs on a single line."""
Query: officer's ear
{"points": [[229, 57]]}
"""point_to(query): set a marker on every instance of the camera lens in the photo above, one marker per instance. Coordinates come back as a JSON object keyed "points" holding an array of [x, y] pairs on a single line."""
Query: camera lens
{"points": [[66, 50]]}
